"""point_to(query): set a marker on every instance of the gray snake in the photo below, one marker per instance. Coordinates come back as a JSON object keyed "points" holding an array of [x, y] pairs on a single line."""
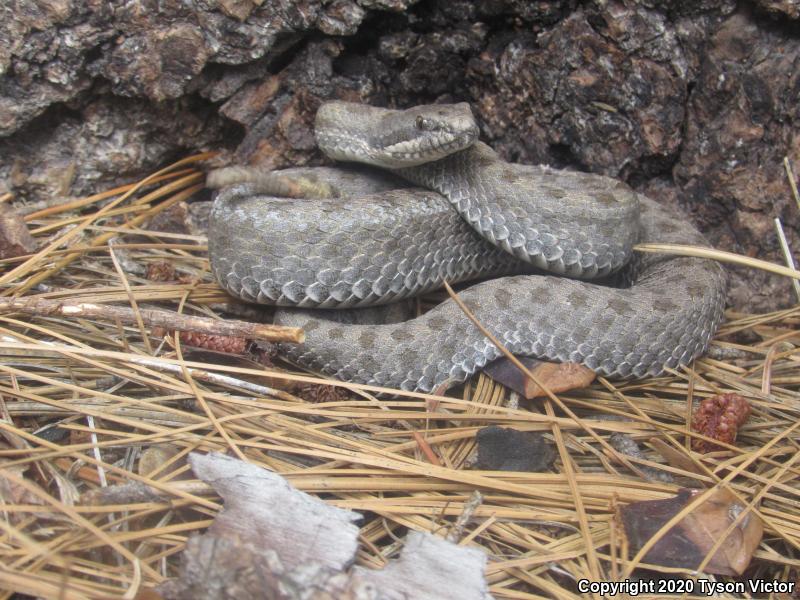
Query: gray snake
{"points": [[377, 241]]}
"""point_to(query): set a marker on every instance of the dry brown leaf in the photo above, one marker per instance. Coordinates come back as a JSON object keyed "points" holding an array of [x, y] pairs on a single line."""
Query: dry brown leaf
{"points": [[153, 457], [686, 544], [708, 523], [558, 377], [15, 239]]}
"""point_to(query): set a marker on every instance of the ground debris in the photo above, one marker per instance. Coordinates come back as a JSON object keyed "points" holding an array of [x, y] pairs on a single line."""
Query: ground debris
{"points": [[628, 446], [15, 239], [719, 417], [156, 318], [503, 449], [686, 544], [557, 377], [96, 504], [272, 541]]}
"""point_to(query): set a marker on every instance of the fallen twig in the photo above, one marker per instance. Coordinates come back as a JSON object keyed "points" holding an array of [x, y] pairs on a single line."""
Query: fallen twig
{"points": [[153, 318]]}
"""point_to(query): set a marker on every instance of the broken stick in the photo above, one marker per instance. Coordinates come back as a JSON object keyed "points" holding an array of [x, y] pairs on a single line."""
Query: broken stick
{"points": [[153, 318]]}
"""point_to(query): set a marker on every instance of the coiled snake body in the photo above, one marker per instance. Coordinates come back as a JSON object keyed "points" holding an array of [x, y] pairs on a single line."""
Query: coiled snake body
{"points": [[377, 243]]}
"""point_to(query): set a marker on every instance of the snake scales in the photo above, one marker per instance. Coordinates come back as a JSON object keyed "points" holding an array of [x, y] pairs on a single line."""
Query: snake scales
{"points": [[377, 241]]}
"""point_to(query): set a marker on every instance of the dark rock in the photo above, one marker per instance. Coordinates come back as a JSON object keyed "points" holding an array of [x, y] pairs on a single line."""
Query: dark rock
{"points": [[43, 52], [395, 5], [278, 112], [741, 122], [790, 8], [436, 63], [71, 153], [156, 65], [690, 7], [602, 89], [502, 449], [342, 17]]}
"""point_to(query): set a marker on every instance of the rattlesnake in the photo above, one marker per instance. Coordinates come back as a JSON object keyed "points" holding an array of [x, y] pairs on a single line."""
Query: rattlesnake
{"points": [[377, 241]]}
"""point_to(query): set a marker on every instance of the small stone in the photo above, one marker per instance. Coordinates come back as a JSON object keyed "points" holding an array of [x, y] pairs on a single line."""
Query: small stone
{"points": [[503, 449]]}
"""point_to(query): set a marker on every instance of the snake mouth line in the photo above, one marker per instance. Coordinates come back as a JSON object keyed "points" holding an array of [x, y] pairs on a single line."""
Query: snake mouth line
{"points": [[429, 147]]}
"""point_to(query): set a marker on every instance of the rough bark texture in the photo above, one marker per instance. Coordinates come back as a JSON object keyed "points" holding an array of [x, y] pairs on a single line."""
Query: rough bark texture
{"points": [[273, 542], [694, 102]]}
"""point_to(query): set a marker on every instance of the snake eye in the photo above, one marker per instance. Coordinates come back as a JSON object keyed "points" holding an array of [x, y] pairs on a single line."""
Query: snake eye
{"points": [[424, 124]]}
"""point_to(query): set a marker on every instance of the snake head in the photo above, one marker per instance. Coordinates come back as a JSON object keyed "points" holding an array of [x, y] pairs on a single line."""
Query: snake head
{"points": [[394, 138]]}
